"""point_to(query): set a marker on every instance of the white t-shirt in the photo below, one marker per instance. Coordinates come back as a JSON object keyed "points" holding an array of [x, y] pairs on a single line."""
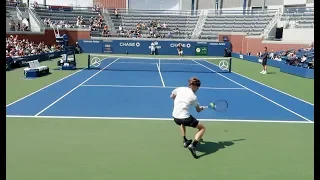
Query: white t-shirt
{"points": [[153, 48], [184, 98]]}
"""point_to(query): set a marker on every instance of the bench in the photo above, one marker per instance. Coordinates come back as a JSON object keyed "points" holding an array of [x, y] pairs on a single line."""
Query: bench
{"points": [[35, 69]]}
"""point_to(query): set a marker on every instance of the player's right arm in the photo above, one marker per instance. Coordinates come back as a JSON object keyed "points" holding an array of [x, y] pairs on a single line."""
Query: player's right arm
{"points": [[199, 108], [195, 103]]}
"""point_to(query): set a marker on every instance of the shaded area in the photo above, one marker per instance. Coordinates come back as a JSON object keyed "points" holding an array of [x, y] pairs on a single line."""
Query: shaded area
{"points": [[208, 147]]}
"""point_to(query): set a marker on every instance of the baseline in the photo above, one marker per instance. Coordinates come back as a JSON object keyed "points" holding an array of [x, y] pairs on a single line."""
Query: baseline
{"points": [[158, 119], [171, 87]]}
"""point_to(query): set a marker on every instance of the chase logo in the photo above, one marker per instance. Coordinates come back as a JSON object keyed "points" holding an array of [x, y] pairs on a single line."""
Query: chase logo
{"points": [[183, 45], [130, 44]]}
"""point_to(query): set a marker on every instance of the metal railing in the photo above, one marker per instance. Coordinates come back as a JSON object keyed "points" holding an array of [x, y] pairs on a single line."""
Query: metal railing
{"points": [[70, 8], [19, 14], [34, 16], [272, 23], [240, 12], [162, 12], [198, 29]]}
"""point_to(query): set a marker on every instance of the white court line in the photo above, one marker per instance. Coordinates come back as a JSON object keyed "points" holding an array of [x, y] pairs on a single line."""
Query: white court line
{"points": [[75, 88], [162, 81], [162, 58], [171, 87], [269, 86], [136, 63], [43, 88], [256, 93], [159, 119], [157, 63]]}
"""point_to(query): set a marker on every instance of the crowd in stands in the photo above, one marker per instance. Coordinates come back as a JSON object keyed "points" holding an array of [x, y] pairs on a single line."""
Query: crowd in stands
{"points": [[153, 29], [94, 23], [24, 47], [60, 24], [96, 8]]}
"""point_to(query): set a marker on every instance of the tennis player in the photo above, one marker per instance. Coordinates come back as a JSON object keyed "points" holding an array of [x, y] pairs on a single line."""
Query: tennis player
{"points": [[180, 50], [184, 97], [153, 48], [264, 57]]}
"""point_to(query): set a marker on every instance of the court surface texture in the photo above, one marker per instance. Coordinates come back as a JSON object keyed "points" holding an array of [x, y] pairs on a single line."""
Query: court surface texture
{"points": [[117, 124]]}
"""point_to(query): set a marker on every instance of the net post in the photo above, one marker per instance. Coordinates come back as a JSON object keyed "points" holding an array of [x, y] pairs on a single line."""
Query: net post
{"points": [[230, 64], [88, 61]]}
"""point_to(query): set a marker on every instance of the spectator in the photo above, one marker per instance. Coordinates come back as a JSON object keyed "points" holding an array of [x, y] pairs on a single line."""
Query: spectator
{"points": [[12, 25], [176, 30], [164, 26], [96, 8], [303, 59], [311, 64], [35, 4], [278, 58], [116, 13], [271, 55]]}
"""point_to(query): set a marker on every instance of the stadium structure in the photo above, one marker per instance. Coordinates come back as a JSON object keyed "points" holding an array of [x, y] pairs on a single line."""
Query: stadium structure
{"points": [[244, 22]]}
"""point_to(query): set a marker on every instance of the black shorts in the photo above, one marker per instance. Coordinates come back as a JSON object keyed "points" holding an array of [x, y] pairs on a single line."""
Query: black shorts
{"points": [[190, 121], [264, 61]]}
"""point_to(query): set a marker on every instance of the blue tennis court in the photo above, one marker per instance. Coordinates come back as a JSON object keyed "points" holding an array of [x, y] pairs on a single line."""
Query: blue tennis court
{"points": [[133, 88]]}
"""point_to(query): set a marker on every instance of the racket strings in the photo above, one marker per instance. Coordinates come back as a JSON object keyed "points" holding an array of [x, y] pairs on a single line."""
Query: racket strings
{"points": [[220, 105]]}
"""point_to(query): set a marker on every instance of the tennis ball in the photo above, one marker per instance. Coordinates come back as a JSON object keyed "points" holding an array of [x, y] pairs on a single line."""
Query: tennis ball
{"points": [[211, 104]]}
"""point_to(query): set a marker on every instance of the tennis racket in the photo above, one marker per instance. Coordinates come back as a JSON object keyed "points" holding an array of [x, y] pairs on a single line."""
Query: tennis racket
{"points": [[219, 105]]}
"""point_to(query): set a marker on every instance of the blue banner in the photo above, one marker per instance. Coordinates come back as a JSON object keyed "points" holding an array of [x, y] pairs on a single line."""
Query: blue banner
{"points": [[163, 47]]}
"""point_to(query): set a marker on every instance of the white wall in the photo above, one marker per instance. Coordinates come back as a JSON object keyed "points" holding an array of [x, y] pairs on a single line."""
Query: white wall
{"points": [[305, 35], [294, 2], [275, 7], [81, 3], [185, 5], [310, 5], [154, 4], [234, 8]]}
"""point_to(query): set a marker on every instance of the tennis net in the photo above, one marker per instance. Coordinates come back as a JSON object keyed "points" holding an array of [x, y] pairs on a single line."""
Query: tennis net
{"points": [[167, 64]]}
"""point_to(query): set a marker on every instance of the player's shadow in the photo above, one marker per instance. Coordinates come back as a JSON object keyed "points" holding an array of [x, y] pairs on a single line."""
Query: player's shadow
{"points": [[271, 73], [208, 147]]}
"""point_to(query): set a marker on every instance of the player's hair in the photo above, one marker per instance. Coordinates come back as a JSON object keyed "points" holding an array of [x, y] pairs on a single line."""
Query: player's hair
{"points": [[194, 81]]}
